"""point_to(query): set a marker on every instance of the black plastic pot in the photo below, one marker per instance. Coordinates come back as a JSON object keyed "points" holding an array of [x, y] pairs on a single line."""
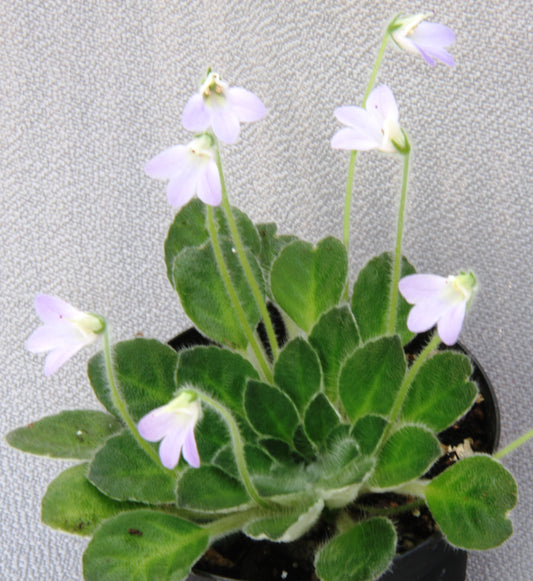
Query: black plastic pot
{"points": [[434, 559]]}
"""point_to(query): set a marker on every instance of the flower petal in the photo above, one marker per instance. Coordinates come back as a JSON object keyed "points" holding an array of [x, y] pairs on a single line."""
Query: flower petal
{"points": [[247, 106], [164, 165], [182, 187], [56, 336], [417, 287], [196, 116], [170, 448], [351, 139], [208, 187], [156, 424], [425, 314], [190, 450], [225, 124], [56, 358], [52, 309], [451, 322], [381, 105]]}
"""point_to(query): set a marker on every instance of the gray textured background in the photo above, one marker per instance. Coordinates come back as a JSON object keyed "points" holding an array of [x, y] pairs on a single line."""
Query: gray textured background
{"points": [[90, 91]]}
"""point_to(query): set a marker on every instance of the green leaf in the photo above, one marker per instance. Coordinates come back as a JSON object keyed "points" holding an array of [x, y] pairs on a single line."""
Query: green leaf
{"points": [[371, 377], [283, 480], [470, 501], [144, 545], [271, 244], [441, 392], [407, 454], [297, 372], [144, 370], [270, 411], [287, 526], [70, 434], [367, 432], [308, 281], [247, 230], [188, 229], [211, 434], [210, 489], [334, 337], [320, 419], [218, 372], [72, 504], [123, 471], [205, 296], [371, 299], [360, 554]]}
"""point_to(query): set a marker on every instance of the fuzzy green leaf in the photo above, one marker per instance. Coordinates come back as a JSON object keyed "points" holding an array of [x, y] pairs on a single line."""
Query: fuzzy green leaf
{"points": [[270, 411], [320, 419], [210, 489], [371, 377], [218, 372], [441, 392], [144, 545], [367, 432], [287, 526], [69, 434], [144, 370], [206, 298], [271, 244], [72, 504], [308, 281], [406, 455], [334, 338], [297, 372], [470, 501], [371, 299], [360, 554], [123, 471]]}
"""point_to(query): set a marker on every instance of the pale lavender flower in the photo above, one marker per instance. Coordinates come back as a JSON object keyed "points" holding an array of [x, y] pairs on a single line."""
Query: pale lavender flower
{"points": [[438, 301], [174, 424], [429, 39], [222, 108], [374, 127], [66, 330], [190, 169]]}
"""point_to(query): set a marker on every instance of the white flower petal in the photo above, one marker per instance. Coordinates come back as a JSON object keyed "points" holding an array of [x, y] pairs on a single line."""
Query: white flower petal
{"points": [[381, 104], [425, 314], [196, 116], [247, 106], [352, 140], [170, 448], [52, 309], [451, 322], [208, 187], [190, 450], [182, 187], [167, 163], [56, 358], [156, 424], [225, 124], [417, 287]]}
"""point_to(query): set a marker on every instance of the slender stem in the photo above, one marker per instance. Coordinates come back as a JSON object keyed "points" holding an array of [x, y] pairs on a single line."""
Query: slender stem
{"points": [[241, 315], [230, 523], [119, 404], [398, 249], [239, 247], [514, 445], [404, 388], [353, 156], [238, 448], [393, 510]]}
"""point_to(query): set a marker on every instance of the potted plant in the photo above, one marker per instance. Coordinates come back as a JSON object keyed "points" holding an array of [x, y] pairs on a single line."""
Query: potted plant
{"points": [[303, 409]]}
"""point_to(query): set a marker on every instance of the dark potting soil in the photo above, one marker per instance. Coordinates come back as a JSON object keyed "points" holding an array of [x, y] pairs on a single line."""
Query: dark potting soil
{"points": [[239, 557]]}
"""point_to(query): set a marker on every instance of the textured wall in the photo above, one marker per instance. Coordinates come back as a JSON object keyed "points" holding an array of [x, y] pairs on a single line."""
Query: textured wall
{"points": [[90, 91]]}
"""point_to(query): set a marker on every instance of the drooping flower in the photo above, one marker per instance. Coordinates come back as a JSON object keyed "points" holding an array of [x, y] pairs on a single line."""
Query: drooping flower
{"points": [[190, 169], [221, 107], [429, 39], [66, 330], [438, 301], [174, 424], [374, 127]]}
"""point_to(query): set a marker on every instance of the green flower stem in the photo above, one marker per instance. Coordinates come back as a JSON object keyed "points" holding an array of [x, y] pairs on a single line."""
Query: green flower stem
{"points": [[393, 510], [353, 156], [241, 315], [228, 524], [514, 445], [398, 250], [239, 247], [404, 388], [238, 448], [119, 404]]}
